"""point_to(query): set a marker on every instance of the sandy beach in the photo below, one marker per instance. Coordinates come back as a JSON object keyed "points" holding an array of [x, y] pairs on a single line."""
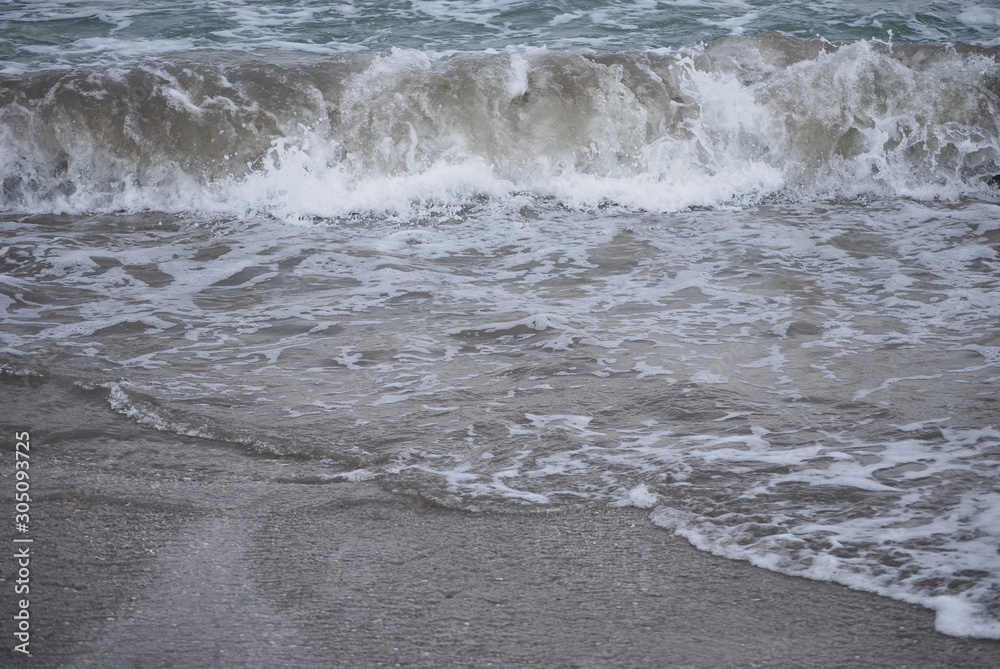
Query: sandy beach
{"points": [[162, 551]]}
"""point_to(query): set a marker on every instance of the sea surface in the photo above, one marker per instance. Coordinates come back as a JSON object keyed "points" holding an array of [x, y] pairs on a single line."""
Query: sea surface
{"points": [[732, 261]]}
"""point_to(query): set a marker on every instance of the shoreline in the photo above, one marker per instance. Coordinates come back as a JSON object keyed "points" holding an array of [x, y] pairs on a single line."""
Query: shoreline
{"points": [[157, 551]]}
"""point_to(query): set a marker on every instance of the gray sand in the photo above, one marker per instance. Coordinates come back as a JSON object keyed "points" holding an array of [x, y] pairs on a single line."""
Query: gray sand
{"points": [[175, 552]]}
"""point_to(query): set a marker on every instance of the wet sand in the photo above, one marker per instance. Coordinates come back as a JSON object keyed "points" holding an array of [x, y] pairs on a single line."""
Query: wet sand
{"points": [[160, 551]]}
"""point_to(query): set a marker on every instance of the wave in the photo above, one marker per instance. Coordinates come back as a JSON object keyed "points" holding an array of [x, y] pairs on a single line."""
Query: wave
{"points": [[734, 122]]}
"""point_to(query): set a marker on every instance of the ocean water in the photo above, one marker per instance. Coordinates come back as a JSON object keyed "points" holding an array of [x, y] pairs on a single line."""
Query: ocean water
{"points": [[735, 262]]}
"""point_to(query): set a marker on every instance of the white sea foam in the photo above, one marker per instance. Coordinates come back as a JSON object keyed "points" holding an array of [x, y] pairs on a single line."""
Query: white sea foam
{"points": [[749, 374], [639, 497], [409, 132]]}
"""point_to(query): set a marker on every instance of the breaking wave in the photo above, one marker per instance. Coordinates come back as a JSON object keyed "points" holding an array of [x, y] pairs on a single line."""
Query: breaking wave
{"points": [[732, 123]]}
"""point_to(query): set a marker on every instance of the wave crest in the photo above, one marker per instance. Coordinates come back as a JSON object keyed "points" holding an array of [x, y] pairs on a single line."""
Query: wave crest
{"points": [[730, 123]]}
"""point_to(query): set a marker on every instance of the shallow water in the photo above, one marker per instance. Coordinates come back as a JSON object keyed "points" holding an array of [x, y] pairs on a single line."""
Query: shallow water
{"points": [[751, 285], [808, 386]]}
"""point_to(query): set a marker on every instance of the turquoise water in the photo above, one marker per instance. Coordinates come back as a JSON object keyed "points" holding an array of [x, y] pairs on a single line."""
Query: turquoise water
{"points": [[45, 33]]}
